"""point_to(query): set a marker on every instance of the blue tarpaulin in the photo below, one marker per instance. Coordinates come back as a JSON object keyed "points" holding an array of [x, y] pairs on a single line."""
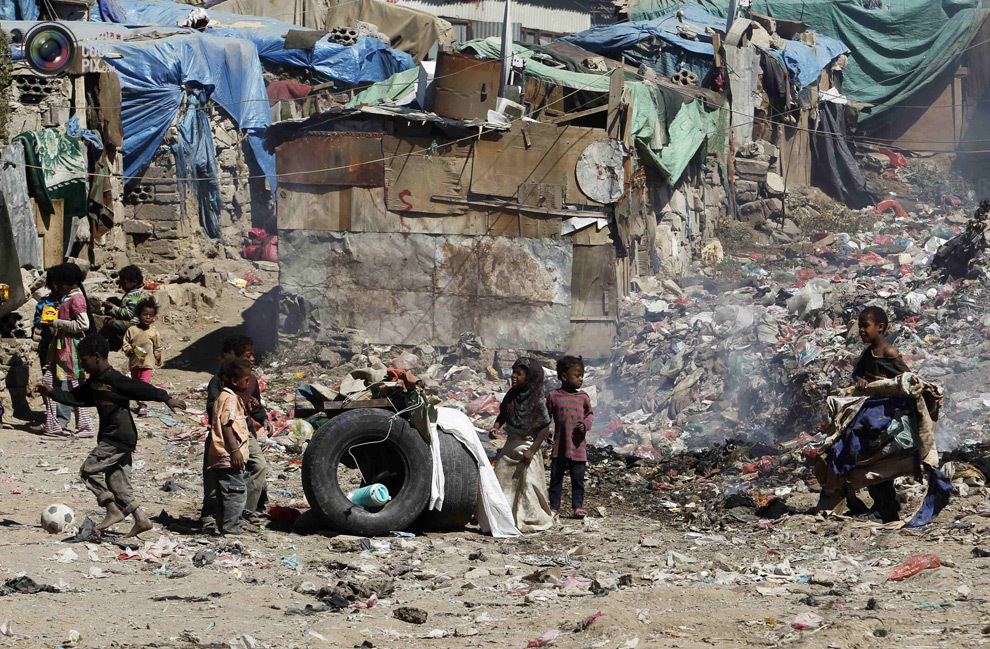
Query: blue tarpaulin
{"points": [[369, 61], [803, 63], [19, 10], [153, 75], [196, 157]]}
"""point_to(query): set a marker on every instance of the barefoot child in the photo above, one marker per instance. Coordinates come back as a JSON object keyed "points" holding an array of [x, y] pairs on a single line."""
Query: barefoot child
{"points": [[519, 468], [228, 451], [572, 419], [106, 470], [143, 345]]}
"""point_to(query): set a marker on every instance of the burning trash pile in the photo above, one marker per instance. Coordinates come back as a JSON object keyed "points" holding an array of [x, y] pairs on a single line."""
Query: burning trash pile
{"points": [[749, 349]]}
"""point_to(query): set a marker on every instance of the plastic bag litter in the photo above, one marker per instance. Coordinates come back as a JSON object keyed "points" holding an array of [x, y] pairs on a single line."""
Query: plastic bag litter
{"points": [[811, 298], [301, 429], [807, 621], [914, 565]]}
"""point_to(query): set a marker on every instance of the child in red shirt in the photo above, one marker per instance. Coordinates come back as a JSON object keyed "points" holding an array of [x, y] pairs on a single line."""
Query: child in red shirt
{"points": [[572, 416]]}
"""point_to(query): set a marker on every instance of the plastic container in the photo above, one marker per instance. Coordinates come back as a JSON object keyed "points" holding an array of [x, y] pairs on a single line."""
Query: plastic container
{"points": [[374, 495]]}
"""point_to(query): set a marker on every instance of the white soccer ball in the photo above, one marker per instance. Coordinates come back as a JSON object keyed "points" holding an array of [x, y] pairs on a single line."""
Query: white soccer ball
{"points": [[57, 518]]}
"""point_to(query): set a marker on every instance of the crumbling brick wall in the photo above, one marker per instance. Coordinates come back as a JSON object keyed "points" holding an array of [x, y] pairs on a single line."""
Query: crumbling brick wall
{"points": [[38, 102], [162, 222]]}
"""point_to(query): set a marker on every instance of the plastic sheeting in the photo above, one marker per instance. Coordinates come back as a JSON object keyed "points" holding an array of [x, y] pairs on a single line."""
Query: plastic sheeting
{"points": [[834, 168], [19, 10], [804, 63], [153, 75], [196, 157], [17, 205], [897, 50], [369, 61], [693, 130], [398, 85]]}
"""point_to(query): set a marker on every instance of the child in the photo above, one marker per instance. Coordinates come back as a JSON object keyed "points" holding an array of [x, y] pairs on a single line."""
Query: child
{"points": [[143, 345], [572, 416], [519, 468], [106, 470], [228, 451], [878, 361], [68, 329], [241, 346], [45, 335], [123, 310]]}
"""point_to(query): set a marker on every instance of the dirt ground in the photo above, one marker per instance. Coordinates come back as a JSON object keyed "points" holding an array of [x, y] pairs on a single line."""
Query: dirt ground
{"points": [[657, 583]]}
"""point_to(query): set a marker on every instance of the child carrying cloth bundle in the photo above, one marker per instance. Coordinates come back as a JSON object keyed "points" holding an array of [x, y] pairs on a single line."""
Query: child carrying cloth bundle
{"points": [[882, 428]]}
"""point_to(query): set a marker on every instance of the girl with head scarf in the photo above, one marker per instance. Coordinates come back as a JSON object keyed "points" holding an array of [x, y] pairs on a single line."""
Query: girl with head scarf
{"points": [[519, 467]]}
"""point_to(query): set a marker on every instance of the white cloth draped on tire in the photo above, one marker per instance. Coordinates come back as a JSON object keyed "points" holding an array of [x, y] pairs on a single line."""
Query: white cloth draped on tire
{"points": [[493, 513], [880, 432]]}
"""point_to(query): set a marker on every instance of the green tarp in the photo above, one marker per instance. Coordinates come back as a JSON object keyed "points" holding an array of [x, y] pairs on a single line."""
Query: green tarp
{"points": [[898, 50], [397, 86]]}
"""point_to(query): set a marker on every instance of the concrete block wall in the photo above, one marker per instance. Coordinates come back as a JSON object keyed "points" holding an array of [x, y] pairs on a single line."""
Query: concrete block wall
{"points": [[163, 228]]}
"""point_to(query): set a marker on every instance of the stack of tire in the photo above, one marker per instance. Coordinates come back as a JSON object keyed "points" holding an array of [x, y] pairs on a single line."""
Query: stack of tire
{"points": [[384, 434]]}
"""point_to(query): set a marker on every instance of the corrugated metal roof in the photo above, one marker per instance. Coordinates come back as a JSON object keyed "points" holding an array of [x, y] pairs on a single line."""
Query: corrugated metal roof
{"points": [[561, 21], [482, 29]]}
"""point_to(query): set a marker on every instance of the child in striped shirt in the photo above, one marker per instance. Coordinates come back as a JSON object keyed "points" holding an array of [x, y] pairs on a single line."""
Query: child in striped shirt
{"points": [[572, 416]]}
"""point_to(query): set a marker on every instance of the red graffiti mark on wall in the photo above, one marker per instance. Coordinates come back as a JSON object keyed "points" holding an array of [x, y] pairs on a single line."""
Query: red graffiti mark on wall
{"points": [[402, 199]]}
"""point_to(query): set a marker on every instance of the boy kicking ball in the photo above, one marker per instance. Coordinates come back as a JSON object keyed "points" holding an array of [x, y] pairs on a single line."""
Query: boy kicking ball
{"points": [[107, 469]]}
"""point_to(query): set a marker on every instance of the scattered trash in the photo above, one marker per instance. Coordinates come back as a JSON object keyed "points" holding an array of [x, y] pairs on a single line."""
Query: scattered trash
{"points": [[374, 495], [410, 614], [807, 621], [914, 565], [543, 640], [204, 558]]}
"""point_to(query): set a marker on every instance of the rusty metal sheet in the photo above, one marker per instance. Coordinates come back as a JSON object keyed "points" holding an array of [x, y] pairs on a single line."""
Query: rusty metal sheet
{"points": [[532, 153], [513, 292], [345, 159], [465, 96], [412, 181]]}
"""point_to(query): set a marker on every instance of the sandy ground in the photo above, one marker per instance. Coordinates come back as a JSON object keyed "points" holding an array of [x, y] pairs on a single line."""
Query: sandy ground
{"points": [[659, 583]]}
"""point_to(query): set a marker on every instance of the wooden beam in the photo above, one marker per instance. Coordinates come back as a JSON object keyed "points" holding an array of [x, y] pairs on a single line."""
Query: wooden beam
{"points": [[613, 123], [569, 117], [507, 205], [51, 228]]}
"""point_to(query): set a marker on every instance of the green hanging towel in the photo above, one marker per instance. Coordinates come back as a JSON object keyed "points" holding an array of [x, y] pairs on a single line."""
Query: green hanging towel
{"points": [[56, 169]]}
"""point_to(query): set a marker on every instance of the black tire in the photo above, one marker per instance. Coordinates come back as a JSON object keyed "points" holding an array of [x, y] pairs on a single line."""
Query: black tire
{"points": [[461, 481], [403, 450]]}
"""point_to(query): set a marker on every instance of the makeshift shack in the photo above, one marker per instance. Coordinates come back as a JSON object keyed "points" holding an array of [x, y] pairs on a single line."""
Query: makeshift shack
{"points": [[525, 232], [916, 71]]}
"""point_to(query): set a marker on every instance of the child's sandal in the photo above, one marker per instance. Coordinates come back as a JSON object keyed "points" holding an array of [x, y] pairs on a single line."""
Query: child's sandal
{"points": [[580, 512]]}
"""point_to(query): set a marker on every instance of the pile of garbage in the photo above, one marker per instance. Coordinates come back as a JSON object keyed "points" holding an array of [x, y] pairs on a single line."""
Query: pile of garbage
{"points": [[748, 349]]}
